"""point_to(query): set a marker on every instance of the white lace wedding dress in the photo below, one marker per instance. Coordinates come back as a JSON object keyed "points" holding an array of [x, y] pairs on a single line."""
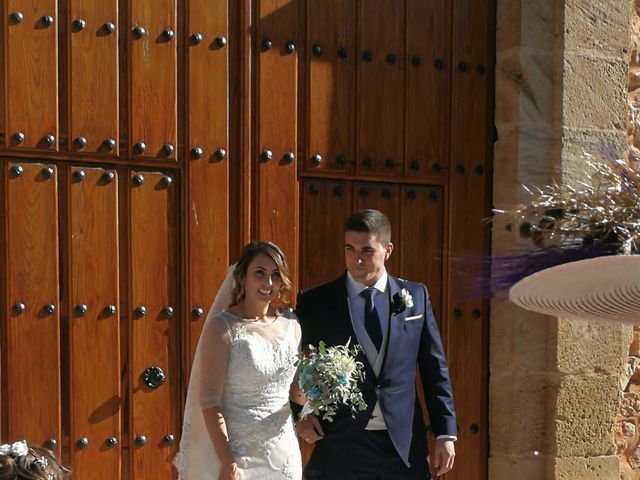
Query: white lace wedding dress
{"points": [[246, 370]]}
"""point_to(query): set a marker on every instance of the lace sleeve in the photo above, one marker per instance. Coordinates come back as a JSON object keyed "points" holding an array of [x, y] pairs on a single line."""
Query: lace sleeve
{"points": [[295, 324], [214, 358]]}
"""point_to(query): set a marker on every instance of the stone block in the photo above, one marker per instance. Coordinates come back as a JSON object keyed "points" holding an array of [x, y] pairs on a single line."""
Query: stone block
{"points": [[523, 155], [526, 82], [521, 341], [585, 347], [596, 25], [518, 414], [527, 467], [586, 407], [529, 25], [594, 92], [634, 349], [578, 468]]}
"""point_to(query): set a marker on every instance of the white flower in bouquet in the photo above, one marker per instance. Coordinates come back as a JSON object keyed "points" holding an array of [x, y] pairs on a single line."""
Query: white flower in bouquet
{"points": [[329, 378]]}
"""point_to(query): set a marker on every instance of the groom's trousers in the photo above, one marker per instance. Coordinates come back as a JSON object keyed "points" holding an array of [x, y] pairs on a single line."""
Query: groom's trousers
{"points": [[371, 456]]}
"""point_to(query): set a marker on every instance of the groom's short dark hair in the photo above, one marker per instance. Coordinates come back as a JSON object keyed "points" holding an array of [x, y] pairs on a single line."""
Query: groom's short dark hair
{"points": [[371, 221]]}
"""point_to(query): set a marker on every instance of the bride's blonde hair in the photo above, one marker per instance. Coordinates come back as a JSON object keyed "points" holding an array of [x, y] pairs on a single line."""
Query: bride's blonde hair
{"points": [[249, 252]]}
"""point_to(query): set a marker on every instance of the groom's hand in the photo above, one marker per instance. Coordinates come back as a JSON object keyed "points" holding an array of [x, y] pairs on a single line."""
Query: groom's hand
{"points": [[443, 456], [309, 429]]}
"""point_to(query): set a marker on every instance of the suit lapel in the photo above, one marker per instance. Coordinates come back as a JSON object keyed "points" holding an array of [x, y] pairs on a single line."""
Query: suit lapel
{"points": [[343, 313], [395, 322], [345, 323]]}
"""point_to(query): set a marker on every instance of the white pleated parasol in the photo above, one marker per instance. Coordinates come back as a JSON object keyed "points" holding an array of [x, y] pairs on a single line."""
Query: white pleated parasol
{"points": [[605, 289]]}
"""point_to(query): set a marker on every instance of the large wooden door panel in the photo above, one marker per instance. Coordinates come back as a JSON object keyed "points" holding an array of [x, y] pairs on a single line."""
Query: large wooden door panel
{"points": [[31, 335], [469, 186], [422, 154]]}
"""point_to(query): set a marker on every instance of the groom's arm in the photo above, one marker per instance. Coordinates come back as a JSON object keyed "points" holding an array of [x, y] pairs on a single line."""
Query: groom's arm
{"points": [[302, 313], [435, 375]]}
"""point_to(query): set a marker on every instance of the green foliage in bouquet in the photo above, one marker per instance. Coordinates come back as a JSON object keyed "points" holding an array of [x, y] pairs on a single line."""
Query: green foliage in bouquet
{"points": [[329, 378]]}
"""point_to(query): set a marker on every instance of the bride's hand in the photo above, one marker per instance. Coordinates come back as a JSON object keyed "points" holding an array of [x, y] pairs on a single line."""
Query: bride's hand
{"points": [[309, 429], [229, 471]]}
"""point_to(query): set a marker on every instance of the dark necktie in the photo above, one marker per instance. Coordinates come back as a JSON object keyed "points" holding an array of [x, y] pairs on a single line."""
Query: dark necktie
{"points": [[371, 318]]}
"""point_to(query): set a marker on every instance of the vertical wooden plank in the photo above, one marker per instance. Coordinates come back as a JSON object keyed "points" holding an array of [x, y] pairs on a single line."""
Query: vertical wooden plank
{"points": [[95, 334], [276, 207], [241, 77], [386, 198], [32, 312], [326, 205], [3, 295], [93, 76], [428, 95], [31, 74], [155, 331], [3, 29], [207, 124], [332, 81], [419, 241], [381, 64], [469, 204], [208, 79], [153, 79]]}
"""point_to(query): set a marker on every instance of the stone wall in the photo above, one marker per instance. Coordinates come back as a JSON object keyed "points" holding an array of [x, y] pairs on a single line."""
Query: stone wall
{"points": [[627, 436], [561, 74]]}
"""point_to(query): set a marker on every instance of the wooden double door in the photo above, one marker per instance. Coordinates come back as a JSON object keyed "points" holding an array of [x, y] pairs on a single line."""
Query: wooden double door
{"points": [[142, 143]]}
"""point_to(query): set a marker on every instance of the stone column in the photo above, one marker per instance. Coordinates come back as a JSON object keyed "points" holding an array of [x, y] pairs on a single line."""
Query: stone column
{"points": [[560, 91]]}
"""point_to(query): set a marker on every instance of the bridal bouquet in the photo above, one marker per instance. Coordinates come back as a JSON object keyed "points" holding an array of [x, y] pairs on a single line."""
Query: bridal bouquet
{"points": [[329, 377]]}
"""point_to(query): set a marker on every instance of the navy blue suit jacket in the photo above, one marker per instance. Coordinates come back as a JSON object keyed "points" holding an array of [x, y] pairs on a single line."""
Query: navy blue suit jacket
{"points": [[324, 314]]}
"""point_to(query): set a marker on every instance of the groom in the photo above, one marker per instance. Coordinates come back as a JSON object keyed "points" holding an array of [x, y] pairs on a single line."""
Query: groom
{"points": [[398, 334]]}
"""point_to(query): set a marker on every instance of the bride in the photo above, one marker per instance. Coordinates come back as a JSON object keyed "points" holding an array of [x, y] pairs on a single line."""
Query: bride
{"points": [[237, 420]]}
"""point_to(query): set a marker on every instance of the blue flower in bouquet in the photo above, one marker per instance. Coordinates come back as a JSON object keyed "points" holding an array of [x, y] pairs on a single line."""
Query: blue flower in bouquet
{"points": [[305, 377], [329, 376], [313, 393]]}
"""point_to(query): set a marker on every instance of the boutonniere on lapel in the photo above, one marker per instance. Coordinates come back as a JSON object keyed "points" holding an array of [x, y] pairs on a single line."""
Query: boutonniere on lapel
{"points": [[401, 301]]}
